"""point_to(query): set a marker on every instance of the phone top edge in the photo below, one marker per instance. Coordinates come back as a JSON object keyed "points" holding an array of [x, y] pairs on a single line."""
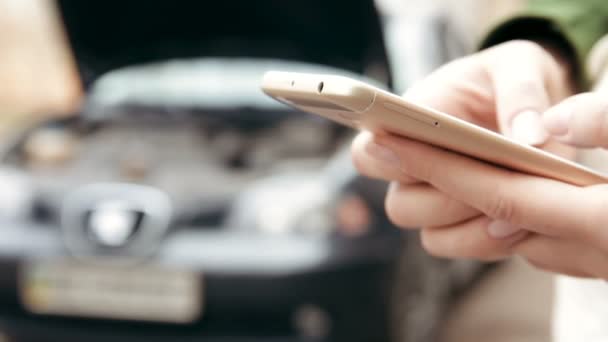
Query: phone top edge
{"points": [[338, 90]]}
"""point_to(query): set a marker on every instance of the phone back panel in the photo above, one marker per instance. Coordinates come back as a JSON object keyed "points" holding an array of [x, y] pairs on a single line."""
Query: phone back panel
{"points": [[365, 107]]}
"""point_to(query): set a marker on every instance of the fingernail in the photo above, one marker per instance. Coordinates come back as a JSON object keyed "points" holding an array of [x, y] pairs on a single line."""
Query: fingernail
{"points": [[382, 153], [557, 122], [501, 229], [527, 127]]}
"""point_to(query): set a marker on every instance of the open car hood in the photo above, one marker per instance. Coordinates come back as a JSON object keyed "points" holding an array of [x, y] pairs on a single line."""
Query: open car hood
{"points": [[106, 35]]}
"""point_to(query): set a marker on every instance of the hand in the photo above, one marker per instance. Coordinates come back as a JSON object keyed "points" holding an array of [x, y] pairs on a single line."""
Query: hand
{"points": [[470, 209], [580, 120]]}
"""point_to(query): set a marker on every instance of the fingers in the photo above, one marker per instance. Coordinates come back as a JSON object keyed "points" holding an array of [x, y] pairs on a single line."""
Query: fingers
{"points": [[459, 88], [375, 161], [420, 205], [562, 256], [519, 75], [408, 205], [580, 120], [468, 239], [545, 206]]}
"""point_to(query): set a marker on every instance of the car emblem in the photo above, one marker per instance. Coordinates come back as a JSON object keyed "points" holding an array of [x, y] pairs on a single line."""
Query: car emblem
{"points": [[112, 223], [115, 221]]}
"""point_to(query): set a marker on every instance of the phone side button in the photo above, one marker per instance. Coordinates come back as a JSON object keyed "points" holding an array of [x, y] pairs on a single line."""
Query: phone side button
{"points": [[414, 116]]}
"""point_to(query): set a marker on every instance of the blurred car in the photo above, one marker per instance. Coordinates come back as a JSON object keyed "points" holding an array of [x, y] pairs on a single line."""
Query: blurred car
{"points": [[182, 204]]}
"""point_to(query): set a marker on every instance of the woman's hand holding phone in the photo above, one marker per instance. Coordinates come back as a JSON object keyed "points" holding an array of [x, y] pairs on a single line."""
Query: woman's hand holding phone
{"points": [[470, 209]]}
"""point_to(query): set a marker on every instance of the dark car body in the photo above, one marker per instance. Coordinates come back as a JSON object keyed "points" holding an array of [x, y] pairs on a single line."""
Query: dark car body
{"points": [[199, 271]]}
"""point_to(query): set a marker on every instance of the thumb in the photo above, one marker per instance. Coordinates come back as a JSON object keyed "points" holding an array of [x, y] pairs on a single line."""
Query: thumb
{"points": [[520, 98], [580, 120], [520, 91]]}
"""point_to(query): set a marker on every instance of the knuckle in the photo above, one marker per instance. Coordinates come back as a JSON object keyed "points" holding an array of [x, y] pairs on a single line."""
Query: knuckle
{"points": [[530, 87], [527, 90], [451, 208], [500, 206], [446, 204]]}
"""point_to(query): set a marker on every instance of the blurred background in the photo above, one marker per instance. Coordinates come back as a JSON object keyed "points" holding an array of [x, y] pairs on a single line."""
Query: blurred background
{"points": [[151, 192]]}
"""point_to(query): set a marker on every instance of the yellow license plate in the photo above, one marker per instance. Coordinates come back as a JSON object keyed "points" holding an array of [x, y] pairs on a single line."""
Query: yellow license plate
{"points": [[135, 293]]}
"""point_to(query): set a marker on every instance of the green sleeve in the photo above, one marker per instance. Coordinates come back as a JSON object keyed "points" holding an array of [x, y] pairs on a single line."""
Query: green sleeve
{"points": [[570, 25]]}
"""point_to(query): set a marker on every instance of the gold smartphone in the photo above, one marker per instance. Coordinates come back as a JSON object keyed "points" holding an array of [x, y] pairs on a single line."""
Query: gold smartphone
{"points": [[362, 106]]}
